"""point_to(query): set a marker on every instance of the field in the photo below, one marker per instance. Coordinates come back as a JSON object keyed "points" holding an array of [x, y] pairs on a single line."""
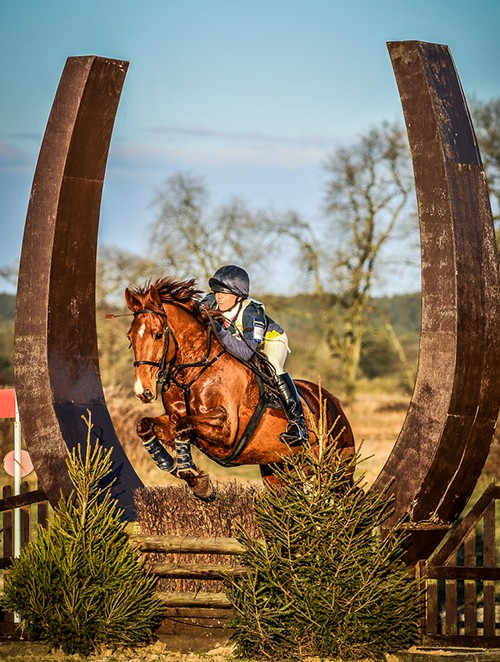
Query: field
{"points": [[376, 417]]}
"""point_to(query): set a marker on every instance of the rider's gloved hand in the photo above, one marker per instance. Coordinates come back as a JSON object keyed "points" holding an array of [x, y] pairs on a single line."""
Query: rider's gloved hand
{"points": [[216, 317]]}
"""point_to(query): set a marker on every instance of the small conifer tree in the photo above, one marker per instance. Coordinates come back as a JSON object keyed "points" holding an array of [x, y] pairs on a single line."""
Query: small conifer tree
{"points": [[321, 580], [79, 583]]}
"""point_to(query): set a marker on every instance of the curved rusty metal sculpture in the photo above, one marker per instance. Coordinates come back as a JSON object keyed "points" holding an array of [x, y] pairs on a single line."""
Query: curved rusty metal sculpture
{"points": [[451, 419], [55, 352]]}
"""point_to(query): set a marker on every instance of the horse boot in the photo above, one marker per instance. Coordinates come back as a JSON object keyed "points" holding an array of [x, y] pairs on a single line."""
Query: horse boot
{"points": [[296, 432], [185, 463], [160, 455]]}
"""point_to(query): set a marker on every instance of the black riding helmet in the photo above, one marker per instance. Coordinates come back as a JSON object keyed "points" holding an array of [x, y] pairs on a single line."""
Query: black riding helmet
{"points": [[230, 279]]}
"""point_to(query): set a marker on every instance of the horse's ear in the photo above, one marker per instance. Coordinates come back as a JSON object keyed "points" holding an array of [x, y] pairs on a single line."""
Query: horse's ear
{"points": [[132, 300], [155, 297]]}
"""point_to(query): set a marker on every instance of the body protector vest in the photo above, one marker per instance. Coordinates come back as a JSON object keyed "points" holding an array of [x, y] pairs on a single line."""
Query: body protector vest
{"points": [[247, 328]]}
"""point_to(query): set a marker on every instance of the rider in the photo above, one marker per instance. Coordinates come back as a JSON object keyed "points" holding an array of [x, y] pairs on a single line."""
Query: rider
{"points": [[245, 328]]}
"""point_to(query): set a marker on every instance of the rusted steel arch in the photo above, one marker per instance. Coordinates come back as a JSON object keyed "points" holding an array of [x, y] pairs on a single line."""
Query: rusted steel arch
{"points": [[451, 419], [55, 351]]}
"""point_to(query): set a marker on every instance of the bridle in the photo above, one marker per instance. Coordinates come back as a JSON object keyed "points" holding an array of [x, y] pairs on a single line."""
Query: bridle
{"points": [[163, 368], [169, 372]]}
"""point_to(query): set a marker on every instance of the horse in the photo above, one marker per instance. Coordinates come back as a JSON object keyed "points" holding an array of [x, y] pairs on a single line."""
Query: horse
{"points": [[211, 397]]}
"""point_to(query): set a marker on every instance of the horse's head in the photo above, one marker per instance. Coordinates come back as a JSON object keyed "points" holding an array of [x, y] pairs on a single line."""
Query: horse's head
{"points": [[149, 336]]}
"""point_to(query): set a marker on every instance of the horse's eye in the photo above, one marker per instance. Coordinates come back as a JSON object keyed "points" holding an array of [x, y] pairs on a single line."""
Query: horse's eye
{"points": [[130, 346], [158, 335]]}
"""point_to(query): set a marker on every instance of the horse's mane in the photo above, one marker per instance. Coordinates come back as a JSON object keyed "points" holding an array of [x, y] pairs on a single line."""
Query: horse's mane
{"points": [[170, 290]]}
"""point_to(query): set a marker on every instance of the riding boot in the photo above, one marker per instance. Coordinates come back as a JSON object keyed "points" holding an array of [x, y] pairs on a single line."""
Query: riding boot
{"points": [[296, 432], [160, 455], [184, 459]]}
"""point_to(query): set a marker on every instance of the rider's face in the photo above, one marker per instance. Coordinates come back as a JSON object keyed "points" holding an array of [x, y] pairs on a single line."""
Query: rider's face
{"points": [[225, 300]]}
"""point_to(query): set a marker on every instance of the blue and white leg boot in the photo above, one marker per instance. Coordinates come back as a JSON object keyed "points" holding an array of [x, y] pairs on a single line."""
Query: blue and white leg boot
{"points": [[185, 462], [160, 455]]}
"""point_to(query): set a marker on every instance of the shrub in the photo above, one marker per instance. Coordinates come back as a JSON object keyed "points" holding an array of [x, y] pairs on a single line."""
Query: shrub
{"points": [[79, 583], [322, 581]]}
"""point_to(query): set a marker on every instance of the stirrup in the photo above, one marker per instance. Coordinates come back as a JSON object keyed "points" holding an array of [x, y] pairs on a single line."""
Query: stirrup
{"points": [[185, 462], [295, 434], [160, 455]]}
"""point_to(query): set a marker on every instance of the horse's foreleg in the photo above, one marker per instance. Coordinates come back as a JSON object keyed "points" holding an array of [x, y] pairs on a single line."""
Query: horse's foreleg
{"points": [[212, 427], [155, 433]]}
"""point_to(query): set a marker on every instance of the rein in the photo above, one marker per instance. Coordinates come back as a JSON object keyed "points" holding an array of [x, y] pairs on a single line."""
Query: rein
{"points": [[169, 372], [167, 331]]}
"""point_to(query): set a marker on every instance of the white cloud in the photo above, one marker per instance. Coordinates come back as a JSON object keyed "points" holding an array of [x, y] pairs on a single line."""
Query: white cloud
{"points": [[205, 147]]}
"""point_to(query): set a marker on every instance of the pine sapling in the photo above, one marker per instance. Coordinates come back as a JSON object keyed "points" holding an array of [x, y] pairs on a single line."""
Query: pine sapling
{"points": [[79, 583]]}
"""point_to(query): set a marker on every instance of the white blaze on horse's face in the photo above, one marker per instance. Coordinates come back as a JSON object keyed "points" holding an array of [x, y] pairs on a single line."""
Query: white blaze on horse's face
{"points": [[147, 338], [138, 387]]}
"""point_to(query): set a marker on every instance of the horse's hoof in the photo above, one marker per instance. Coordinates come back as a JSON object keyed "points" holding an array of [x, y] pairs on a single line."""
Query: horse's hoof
{"points": [[207, 499], [203, 488], [144, 428]]}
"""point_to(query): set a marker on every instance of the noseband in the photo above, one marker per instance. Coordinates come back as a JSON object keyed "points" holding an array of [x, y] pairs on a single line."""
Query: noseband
{"points": [[170, 372], [167, 331]]}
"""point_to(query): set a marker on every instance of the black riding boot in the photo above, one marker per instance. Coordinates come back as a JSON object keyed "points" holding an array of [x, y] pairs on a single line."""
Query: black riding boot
{"points": [[296, 432], [160, 455]]}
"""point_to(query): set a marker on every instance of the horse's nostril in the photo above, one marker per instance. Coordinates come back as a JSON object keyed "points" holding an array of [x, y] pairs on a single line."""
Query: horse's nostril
{"points": [[148, 395]]}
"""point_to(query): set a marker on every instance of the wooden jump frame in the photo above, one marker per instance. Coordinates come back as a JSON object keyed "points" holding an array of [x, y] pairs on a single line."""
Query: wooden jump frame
{"points": [[191, 545], [449, 618], [461, 606], [447, 433]]}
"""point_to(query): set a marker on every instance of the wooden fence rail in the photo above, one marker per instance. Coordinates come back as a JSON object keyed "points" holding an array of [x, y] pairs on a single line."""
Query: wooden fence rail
{"points": [[462, 582], [187, 544], [33, 511], [160, 544], [30, 516]]}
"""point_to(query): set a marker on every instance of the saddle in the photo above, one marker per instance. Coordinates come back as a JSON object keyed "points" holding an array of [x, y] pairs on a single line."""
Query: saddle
{"points": [[268, 399]]}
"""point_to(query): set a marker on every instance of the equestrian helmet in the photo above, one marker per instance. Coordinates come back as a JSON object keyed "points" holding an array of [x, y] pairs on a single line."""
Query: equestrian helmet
{"points": [[230, 279]]}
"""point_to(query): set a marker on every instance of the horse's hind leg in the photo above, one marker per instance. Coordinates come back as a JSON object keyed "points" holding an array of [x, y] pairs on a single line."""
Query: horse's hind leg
{"points": [[268, 475]]}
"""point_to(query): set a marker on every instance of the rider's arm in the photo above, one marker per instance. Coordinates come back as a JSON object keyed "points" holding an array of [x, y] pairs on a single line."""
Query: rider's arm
{"points": [[244, 348], [245, 343]]}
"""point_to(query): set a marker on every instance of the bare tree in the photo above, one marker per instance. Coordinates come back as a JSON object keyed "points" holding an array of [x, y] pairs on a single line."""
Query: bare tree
{"points": [[189, 239], [118, 269], [9, 273], [369, 197], [370, 194], [486, 115]]}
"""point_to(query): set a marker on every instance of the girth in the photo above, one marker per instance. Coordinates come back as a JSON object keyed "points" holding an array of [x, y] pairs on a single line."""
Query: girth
{"points": [[266, 401]]}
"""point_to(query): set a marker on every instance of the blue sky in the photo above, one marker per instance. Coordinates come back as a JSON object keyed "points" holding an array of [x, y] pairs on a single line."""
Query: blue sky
{"points": [[249, 95]]}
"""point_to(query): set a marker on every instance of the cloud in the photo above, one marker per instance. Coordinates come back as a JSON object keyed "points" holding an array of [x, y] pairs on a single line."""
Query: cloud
{"points": [[11, 153], [256, 137], [15, 160], [191, 147]]}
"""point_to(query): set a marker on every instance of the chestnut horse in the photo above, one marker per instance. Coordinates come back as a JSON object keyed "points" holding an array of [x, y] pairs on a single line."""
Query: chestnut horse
{"points": [[209, 395]]}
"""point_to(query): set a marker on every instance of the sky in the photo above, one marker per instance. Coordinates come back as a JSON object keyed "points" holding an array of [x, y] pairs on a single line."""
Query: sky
{"points": [[250, 96]]}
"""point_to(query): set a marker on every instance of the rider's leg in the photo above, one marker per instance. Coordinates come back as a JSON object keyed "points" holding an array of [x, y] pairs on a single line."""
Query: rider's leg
{"points": [[276, 351], [296, 432], [160, 455]]}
